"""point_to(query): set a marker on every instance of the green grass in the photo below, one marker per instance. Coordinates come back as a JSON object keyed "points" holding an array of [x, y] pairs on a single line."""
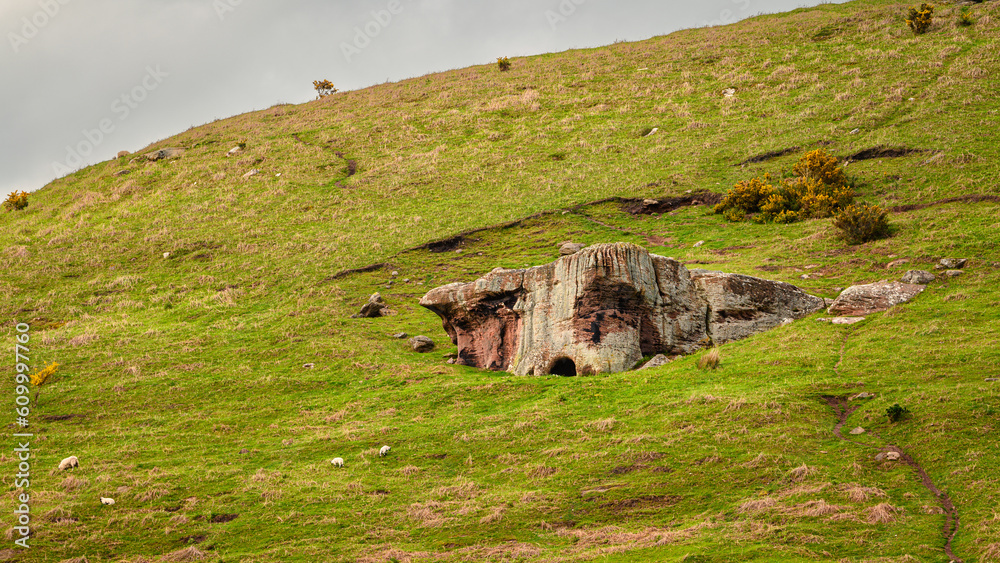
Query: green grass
{"points": [[172, 366]]}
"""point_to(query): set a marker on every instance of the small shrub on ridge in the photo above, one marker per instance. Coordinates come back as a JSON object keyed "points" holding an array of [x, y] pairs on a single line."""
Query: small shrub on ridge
{"points": [[324, 88], [16, 201], [965, 18], [862, 223], [896, 412], [503, 63]]}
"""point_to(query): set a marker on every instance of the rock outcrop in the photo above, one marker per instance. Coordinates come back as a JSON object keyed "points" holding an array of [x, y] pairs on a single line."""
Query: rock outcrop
{"points": [[862, 300], [374, 308], [602, 309]]}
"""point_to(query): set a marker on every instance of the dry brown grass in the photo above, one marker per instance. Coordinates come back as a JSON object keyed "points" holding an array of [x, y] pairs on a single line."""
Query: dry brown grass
{"points": [[882, 513], [858, 493], [990, 552], [801, 472], [757, 505], [603, 425], [182, 555], [710, 360]]}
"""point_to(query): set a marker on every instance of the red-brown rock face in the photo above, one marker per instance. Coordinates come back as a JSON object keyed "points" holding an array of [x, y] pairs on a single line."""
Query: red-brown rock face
{"points": [[600, 310]]}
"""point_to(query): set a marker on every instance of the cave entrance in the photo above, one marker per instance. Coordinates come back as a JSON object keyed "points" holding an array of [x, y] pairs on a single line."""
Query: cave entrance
{"points": [[564, 367]]}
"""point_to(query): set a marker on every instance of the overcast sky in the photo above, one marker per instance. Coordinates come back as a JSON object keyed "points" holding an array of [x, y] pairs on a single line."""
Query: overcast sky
{"points": [[83, 79]]}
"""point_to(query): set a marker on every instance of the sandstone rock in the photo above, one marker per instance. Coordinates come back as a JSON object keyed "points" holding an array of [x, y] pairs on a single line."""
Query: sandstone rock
{"points": [[953, 273], [164, 153], [698, 244], [568, 248], [740, 306], [920, 277], [657, 361], [897, 263], [861, 300], [375, 307], [650, 202], [857, 431], [952, 263], [600, 310], [421, 344], [846, 320], [892, 456], [400, 335]]}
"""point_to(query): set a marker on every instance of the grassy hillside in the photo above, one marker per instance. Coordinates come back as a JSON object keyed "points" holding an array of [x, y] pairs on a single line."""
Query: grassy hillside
{"points": [[183, 386]]}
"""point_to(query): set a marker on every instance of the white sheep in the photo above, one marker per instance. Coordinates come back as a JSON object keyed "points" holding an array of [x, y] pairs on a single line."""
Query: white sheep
{"points": [[338, 462], [70, 461], [384, 451], [107, 501]]}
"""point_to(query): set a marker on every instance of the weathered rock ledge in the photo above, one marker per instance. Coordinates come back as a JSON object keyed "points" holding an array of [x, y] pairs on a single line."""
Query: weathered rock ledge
{"points": [[603, 308]]}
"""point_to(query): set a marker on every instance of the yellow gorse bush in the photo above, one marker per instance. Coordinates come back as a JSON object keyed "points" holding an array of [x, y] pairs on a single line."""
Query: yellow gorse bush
{"points": [[819, 189], [39, 378], [919, 20], [16, 200]]}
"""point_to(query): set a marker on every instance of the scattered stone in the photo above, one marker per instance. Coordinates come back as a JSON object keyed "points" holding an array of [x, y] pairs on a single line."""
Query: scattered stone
{"points": [[953, 273], [920, 277], [657, 361], [604, 308], [234, 150], [459, 251], [244, 451], [863, 395], [166, 255], [846, 320], [250, 174], [652, 131], [892, 456], [569, 248], [122, 172], [993, 379], [421, 344], [952, 263], [164, 153], [858, 430], [375, 307], [698, 244], [880, 457], [650, 202], [855, 131], [394, 273], [308, 366], [862, 300], [897, 263], [400, 335], [729, 92], [812, 266], [450, 361], [406, 280], [107, 501]]}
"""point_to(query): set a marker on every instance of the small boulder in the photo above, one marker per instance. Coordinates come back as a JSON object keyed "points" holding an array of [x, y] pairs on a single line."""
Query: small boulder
{"points": [[846, 320], [892, 456], [164, 154], [251, 174], [373, 309], [568, 248], [953, 273], [897, 263], [952, 263], [698, 244], [920, 277], [234, 150], [857, 431], [657, 361], [861, 300], [863, 395], [880, 457], [421, 344], [107, 501], [400, 335], [650, 202]]}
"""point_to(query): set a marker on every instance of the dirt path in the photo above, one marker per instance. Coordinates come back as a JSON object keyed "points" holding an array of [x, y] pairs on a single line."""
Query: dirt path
{"points": [[843, 409]]}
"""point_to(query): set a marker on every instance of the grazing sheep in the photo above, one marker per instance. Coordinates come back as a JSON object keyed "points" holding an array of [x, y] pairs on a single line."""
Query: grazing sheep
{"points": [[338, 462], [107, 501], [70, 461], [384, 451]]}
